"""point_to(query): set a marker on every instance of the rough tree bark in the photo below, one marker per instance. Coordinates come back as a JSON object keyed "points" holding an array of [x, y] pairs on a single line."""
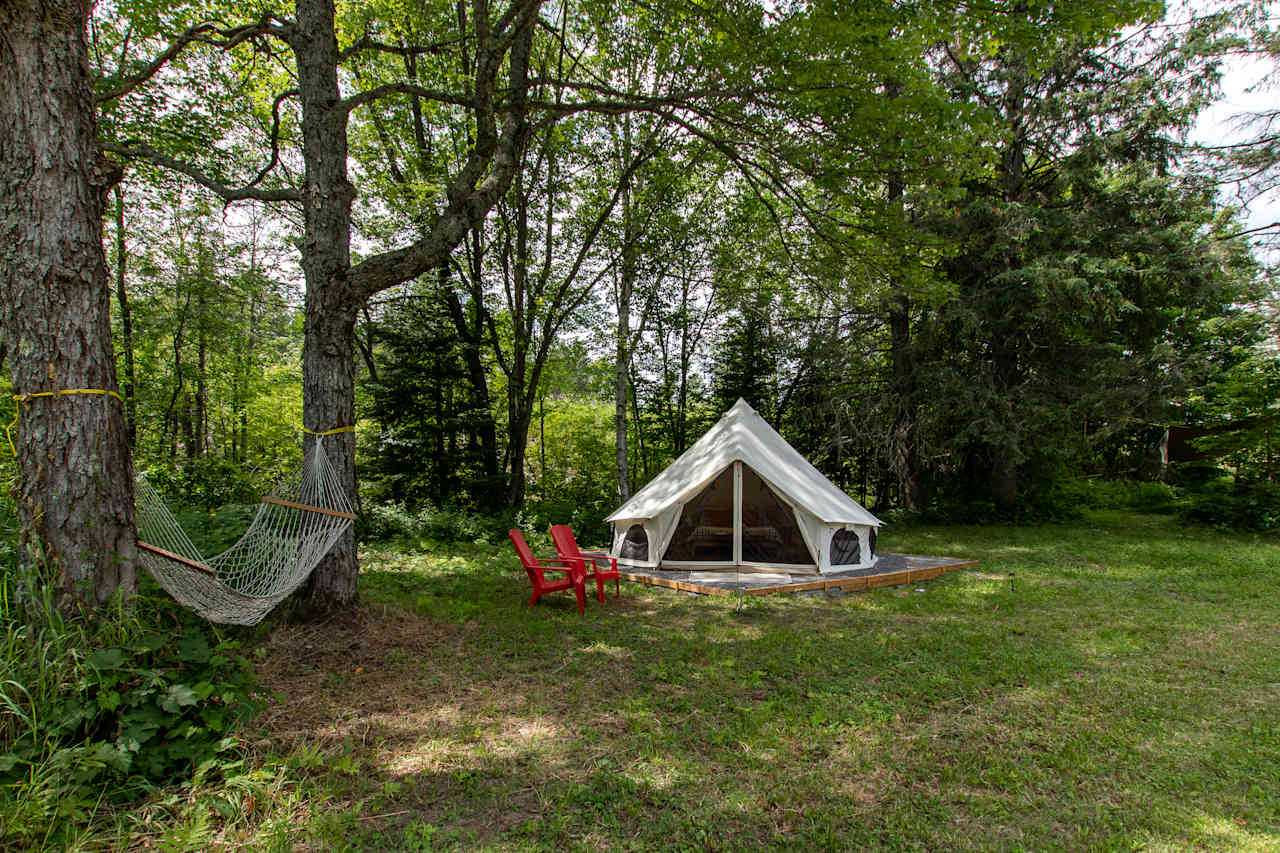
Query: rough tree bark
{"points": [[328, 351], [75, 491]]}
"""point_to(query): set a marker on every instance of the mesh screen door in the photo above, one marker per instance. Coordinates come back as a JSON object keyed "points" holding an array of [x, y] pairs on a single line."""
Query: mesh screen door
{"points": [[846, 550], [704, 533], [770, 533], [635, 545]]}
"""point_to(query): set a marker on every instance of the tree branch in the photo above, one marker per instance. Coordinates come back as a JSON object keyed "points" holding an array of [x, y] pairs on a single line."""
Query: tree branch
{"points": [[350, 103], [367, 42], [489, 167], [228, 194], [127, 84], [1246, 232]]}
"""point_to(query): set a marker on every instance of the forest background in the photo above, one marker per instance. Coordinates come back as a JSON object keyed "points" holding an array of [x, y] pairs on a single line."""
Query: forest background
{"points": [[972, 279]]}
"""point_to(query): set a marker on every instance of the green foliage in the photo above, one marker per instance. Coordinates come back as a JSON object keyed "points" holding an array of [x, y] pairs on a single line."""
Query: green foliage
{"points": [[434, 442], [101, 713], [1251, 507], [1127, 494], [207, 482], [390, 521]]}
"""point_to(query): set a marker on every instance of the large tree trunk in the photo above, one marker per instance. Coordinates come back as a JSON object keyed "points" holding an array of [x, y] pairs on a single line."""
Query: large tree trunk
{"points": [[328, 393], [328, 351], [75, 492]]}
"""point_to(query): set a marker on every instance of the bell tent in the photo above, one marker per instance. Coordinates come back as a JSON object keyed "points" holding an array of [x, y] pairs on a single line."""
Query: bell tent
{"points": [[742, 497]]}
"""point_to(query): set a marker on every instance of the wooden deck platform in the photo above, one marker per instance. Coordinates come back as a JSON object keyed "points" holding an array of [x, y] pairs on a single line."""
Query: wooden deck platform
{"points": [[890, 570]]}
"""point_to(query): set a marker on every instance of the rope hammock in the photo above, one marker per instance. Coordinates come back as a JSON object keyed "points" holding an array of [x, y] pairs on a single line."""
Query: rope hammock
{"points": [[293, 529]]}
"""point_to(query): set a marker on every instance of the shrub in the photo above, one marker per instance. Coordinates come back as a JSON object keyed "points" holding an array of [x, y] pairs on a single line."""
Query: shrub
{"points": [[104, 711], [213, 531], [1255, 507], [383, 522], [1127, 494], [207, 482]]}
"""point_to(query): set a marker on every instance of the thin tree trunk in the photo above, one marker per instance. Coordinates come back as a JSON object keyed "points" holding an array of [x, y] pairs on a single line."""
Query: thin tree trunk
{"points": [[904, 436], [201, 444], [635, 407], [622, 353], [126, 325], [75, 487]]}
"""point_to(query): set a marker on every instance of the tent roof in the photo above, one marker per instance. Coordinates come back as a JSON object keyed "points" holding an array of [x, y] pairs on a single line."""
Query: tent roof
{"points": [[741, 435]]}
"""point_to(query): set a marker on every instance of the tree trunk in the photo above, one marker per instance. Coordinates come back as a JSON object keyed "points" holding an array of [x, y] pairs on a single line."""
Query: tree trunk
{"points": [[126, 326], [905, 451], [1003, 470], [202, 377], [1004, 481], [75, 488], [328, 352], [471, 337], [622, 354]]}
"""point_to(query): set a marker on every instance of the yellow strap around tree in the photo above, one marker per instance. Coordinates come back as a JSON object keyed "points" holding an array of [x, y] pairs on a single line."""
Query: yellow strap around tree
{"points": [[334, 431], [21, 399]]}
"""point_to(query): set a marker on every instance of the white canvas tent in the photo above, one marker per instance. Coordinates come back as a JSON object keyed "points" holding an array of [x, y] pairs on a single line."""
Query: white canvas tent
{"points": [[742, 497]]}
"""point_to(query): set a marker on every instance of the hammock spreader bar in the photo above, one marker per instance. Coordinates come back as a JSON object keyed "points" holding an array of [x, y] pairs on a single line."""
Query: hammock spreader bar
{"points": [[177, 558], [309, 508]]}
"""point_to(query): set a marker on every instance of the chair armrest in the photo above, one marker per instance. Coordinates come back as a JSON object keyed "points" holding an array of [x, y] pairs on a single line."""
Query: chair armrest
{"points": [[596, 557]]}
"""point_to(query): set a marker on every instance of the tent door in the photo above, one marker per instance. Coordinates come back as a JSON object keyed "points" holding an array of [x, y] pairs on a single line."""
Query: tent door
{"points": [[738, 519]]}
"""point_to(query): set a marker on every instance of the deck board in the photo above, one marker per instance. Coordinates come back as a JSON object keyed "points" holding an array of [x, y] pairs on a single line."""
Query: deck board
{"points": [[890, 570]]}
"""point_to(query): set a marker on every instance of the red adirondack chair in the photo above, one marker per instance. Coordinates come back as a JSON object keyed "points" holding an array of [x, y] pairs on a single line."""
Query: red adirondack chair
{"points": [[574, 575], [602, 567]]}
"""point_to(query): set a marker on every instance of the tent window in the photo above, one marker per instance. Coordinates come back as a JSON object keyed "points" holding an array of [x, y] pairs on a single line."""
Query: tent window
{"points": [[635, 546], [871, 542], [770, 533], [704, 533], [846, 550]]}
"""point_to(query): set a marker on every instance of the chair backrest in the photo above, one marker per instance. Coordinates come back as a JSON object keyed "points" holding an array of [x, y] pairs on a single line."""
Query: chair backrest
{"points": [[530, 562], [566, 545]]}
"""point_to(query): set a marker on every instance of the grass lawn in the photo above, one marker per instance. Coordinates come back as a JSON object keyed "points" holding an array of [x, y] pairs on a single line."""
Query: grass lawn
{"points": [[1122, 693]]}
